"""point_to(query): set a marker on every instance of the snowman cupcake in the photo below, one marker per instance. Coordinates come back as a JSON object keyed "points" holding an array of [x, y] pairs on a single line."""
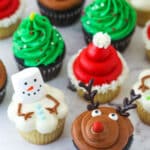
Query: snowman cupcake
{"points": [[38, 110], [142, 86]]}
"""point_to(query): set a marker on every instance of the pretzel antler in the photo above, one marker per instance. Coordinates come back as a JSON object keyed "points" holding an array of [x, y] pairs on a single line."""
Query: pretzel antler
{"points": [[128, 104], [89, 95]]}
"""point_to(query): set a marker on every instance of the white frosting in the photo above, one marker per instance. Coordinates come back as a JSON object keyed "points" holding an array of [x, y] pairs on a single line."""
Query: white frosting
{"points": [[140, 4], [145, 36], [101, 40], [145, 103], [103, 88], [6, 22], [42, 121]]}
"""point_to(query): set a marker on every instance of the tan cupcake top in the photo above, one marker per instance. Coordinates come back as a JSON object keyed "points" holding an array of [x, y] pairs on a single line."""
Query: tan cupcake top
{"points": [[3, 76], [60, 4]]}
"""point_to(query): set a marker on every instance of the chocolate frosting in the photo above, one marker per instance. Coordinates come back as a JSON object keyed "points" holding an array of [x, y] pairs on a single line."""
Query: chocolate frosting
{"points": [[60, 4], [3, 76], [115, 135]]}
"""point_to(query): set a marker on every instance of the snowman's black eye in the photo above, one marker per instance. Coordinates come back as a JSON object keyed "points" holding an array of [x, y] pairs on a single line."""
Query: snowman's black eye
{"points": [[25, 83], [23, 92], [35, 80], [28, 94]]}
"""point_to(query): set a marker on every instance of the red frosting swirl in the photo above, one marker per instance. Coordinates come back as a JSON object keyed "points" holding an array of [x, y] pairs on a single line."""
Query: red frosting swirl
{"points": [[148, 32], [8, 7], [103, 65]]}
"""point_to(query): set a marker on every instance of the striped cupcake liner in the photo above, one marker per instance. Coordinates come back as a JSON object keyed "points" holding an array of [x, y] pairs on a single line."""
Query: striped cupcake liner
{"points": [[48, 72], [62, 18]]}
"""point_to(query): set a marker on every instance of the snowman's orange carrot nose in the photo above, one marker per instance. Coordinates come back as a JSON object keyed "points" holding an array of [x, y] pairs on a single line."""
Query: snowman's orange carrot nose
{"points": [[30, 88]]}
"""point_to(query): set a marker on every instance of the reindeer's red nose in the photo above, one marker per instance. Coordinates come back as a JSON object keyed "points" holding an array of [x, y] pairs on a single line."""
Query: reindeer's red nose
{"points": [[30, 88], [98, 127]]}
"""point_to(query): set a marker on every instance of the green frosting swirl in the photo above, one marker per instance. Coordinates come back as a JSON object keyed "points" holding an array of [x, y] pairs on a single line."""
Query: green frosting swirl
{"points": [[116, 17], [37, 42]]}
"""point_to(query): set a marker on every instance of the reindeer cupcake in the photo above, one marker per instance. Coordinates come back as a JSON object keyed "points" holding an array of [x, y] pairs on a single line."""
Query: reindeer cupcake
{"points": [[103, 128]]}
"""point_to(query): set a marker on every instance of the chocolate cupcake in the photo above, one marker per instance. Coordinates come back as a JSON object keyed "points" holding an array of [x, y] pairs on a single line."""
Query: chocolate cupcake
{"points": [[3, 80], [36, 43], [61, 13], [104, 128], [117, 18]]}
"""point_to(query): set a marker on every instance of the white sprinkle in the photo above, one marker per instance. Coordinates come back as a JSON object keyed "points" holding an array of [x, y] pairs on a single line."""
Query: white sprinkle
{"points": [[25, 46], [88, 22], [52, 43], [102, 4], [57, 34]]}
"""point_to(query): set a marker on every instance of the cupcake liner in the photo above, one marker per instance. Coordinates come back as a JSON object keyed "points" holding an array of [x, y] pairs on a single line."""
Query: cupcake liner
{"points": [[62, 18], [48, 72], [143, 114], [102, 97], [35, 137], [8, 31], [142, 17], [120, 45], [2, 93], [127, 147], [148, 54]]}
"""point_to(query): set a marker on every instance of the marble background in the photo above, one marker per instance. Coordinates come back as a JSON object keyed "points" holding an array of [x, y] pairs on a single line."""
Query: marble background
{"points": [[135, 57]]}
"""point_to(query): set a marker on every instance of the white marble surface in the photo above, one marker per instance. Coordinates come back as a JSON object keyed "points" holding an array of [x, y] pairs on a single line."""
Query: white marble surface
{"points": [[134, 55]]}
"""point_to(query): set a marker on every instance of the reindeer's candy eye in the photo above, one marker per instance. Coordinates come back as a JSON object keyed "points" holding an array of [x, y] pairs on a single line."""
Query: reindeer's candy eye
{"points": [[113, 116], [96, 113]]}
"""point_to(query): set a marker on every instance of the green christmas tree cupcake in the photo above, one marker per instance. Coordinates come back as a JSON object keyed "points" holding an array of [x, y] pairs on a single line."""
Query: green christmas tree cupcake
{"points": [[115, 17], [36, 43]]}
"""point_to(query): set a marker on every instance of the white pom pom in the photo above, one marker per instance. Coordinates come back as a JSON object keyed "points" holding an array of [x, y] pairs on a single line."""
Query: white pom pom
{"points": [[101, 40]]}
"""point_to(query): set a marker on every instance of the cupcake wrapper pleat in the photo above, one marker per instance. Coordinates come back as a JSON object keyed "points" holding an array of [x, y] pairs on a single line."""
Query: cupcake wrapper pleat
{"points": [[62, 18], [35, 137]]}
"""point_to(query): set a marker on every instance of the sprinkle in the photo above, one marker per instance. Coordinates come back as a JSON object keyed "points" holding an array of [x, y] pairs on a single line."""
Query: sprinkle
{"points": [[52, 43], [37, 60], [32, 16], [31, 32], [41, 49], [126, 20], [60, 38], [113, 29], [41, 33], [25, 46], [148, 98], [88, 22], [102, 4], [57, 34]]}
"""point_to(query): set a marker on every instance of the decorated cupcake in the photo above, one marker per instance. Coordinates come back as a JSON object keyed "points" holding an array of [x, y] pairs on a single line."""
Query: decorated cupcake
{"points": [[36, 43], [38, 110], [143, 10], [104, 128], [117, 18], [61, 13], [146, 36], [3, 80], [99, 61], [10, 16], [142, 86]]}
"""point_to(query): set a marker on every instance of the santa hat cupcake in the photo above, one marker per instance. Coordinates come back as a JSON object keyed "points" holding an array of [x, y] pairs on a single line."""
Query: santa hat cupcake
{"points": [[146, 36], [10, 16], [101, 62]]}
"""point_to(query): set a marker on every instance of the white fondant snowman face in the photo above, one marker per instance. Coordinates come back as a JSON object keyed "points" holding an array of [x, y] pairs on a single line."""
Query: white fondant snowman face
{"points": [[28, 85]]}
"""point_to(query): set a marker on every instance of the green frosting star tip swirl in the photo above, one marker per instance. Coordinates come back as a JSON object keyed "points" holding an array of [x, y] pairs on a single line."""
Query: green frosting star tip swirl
{"points": [[37, 42], [116, 17]]}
